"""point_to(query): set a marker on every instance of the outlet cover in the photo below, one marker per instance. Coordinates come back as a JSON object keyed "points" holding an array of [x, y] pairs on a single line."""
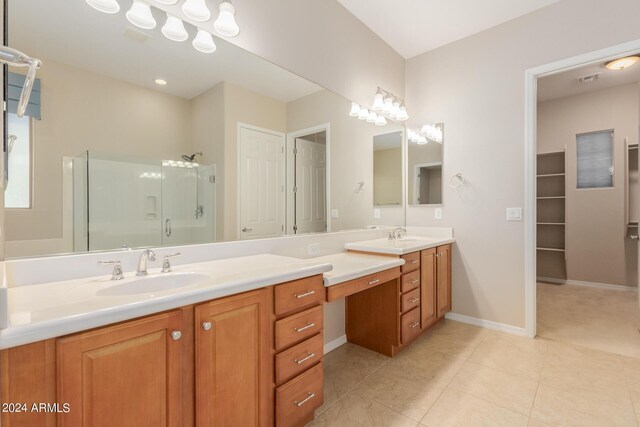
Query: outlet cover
{"points": [[437, 213], [514, 214], [314, 249], [377, 214], [335, 213]]}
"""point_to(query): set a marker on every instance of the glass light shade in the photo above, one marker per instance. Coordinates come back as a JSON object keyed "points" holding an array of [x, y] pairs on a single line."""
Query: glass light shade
{"points": [[104, 6], [140, 15], [421, 140], [226, 22], [402, 115], [395, 109], [381, 121], [167, 1], [425, 129], [204, 42], [372, 117], [364, 114], [355, 110], [622, 63], [378, 102], [174, 29], [196, 10], [388, 105]]}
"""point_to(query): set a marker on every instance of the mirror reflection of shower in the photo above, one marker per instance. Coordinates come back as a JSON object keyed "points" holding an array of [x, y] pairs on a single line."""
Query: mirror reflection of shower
{"points": [[12, 141]]}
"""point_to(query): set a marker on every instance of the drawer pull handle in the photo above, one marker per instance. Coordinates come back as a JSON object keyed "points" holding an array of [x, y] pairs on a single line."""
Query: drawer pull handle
{"points": [[414, 281], [306, 294], [304, 359], [305, 400], [304, 328], [415, 261], [414, 299], [176, 335], [414, 325], [373, 282]]}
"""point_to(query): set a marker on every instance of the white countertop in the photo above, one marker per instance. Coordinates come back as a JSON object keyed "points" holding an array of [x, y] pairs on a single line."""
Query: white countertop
{"points": [[38, 312], [348, 266], [401, 246]]}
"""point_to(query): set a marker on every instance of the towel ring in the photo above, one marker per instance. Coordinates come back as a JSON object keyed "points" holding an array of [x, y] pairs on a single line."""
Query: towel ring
{"points": [[456, 181]]}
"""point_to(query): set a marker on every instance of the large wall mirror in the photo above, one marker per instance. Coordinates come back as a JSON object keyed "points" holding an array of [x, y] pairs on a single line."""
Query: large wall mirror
{"points": [[132, 139], [424, 166]]}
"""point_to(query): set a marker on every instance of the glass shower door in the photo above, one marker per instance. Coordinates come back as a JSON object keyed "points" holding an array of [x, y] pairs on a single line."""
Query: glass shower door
{"points": [[179, 202]]}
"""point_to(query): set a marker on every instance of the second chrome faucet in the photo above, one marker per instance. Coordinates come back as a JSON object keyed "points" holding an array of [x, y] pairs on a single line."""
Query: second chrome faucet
{"points": [[147, 255]]}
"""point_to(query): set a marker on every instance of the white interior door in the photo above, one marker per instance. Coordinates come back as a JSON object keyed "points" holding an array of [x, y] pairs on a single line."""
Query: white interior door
{"points": [[261, 183], [310, 195]]}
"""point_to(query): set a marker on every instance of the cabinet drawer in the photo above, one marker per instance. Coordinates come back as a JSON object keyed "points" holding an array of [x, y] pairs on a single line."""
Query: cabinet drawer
{"points": [[298, 359], [410, 281], [411, 262], [410, 325], [297, 399], [299, 294], [360, 284], [294, 329], [410, 300]]}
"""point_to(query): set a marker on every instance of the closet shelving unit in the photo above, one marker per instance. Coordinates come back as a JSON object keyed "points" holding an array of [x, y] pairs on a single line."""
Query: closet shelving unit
{"points": [[632, 189], [551, 207]]}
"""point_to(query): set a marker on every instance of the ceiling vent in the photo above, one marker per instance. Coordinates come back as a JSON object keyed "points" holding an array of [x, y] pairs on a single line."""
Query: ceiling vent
{"points": [[589, 79]]}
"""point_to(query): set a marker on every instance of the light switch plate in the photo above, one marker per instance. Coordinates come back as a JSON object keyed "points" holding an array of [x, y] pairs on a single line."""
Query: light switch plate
{"points": [[437, 213], [377, 214], [514, 214], [334, 213], [314, 249]]}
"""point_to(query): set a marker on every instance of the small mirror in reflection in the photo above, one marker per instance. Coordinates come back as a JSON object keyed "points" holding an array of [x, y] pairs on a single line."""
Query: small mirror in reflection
{"points": [[387, 169], [424, 171]]}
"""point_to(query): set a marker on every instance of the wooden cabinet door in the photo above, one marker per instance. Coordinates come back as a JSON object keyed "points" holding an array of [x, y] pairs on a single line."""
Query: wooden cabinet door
{"points": [[428, 287], [444, 279], [123, 375], [233, 361]]}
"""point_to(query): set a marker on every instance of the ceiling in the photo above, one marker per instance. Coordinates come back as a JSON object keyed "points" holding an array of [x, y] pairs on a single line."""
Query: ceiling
{"points": [[412, 27], [73, 33], [566, 83]]}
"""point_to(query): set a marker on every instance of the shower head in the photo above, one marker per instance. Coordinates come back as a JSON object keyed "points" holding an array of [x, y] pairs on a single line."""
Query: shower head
{"points": [[12, 141], [15, 58], [190, 158]]}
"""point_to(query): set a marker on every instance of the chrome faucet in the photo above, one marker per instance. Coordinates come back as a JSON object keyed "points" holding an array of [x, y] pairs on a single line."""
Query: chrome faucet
{"points": [[142, 264], [395, 234]]}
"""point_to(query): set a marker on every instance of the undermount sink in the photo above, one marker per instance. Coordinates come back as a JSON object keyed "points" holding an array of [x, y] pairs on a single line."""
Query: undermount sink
{"points": [[152, 284]]}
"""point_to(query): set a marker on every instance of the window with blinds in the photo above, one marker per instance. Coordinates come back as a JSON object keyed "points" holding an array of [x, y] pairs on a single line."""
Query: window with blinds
{"points": [[595, 159]]}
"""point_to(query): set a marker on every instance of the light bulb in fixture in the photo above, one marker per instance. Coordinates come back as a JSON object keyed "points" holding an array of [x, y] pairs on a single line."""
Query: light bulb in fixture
{"points": [[196, 10], [388, 105], [381, 121], [203, 42], [402, 114], [140, 15], [378, 101], [355, 109], [425, 129], [160, 82], [104, 6], [622, 63], [395, 109], [167, 1], [421, 140], [174, 29], [364, 114], [226, 22], [372, 117]]}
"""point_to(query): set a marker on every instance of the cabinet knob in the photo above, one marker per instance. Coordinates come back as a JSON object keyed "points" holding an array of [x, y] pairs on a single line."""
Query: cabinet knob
{"points": [[176, 335], [207, 326]]}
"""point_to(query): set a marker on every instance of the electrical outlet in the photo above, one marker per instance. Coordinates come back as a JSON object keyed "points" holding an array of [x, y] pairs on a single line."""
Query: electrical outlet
{"points": [[314, 249], [514, 214], [334, 213], [437, 213], [377, 214]]}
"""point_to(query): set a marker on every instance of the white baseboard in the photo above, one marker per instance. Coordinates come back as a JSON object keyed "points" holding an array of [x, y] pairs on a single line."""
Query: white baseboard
{"points": [[514, 330], [332, 345], [589, 284]]}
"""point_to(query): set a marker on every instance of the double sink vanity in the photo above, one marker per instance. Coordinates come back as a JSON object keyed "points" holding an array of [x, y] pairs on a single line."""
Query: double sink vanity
{"points": [[236, 341]]}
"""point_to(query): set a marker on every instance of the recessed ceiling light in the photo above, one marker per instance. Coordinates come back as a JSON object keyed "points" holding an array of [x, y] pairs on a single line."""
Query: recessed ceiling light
{"points": [[161, 82], [622, 63]]}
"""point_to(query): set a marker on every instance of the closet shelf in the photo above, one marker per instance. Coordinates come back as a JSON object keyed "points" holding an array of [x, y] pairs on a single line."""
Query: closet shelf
{"points": [[550, 197], [550, 249], [550, 175], [551, 223]]}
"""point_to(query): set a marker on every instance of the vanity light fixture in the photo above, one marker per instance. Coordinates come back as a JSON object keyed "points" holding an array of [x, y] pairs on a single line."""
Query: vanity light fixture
{"points": [[421, 140], [226, 23], [388, 104], [196, 10], [160, 82], [364, 114], [372, 118], [622, 63], [355, 109], [378, 101], [395, 109], [174, 29], [105, 6], [140, 15], [167, 1], [381, 121], [402, 114], [203, 42]]}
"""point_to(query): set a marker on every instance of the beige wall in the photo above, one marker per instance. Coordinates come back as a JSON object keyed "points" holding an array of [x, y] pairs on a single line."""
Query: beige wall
{"points": [[350, 158], [476, 87], [596, 230], [94, 113], [387, 177]]}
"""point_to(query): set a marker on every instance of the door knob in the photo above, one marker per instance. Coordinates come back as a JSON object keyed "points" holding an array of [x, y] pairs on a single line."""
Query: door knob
{"points": [[245, 229], [176, 335], [207, 326]]}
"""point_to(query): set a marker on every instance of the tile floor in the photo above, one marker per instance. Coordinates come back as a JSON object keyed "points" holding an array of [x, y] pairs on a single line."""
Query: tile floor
{"points": [[602, 319], [462, 375]]}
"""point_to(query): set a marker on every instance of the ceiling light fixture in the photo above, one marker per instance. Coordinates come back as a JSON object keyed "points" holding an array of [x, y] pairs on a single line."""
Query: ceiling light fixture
{"points": [[355, 109], [196, 10], [378, 101], [104, 6], [226, 22], [203, 42], [161, 82], [140, 15], [622, 63], [174, 29]]}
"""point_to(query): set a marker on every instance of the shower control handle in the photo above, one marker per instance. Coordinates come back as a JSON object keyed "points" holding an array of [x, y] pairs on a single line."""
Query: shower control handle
{"points": [[245, 229], [167, 228]]}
